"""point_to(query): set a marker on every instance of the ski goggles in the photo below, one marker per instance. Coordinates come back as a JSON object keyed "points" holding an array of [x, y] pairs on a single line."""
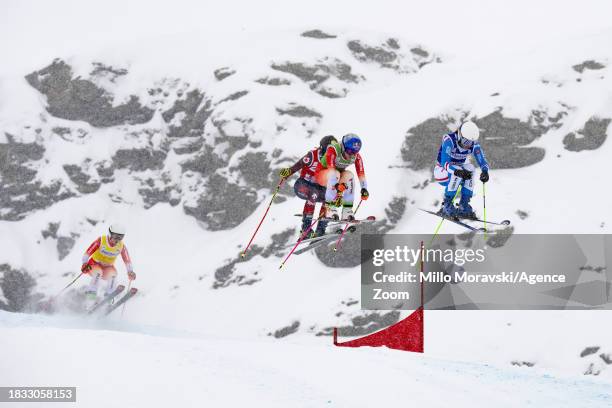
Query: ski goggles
{"points": [[116, 237]]}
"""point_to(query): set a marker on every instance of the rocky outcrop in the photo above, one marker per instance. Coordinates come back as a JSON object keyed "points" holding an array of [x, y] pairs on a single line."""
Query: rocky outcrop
{"points": [[592, 136], [81, 99]]}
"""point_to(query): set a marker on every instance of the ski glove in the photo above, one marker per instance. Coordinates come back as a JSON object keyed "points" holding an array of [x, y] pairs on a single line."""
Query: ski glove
{"points": [[464, 174], [131, 275], [484, 176], [86, 267], [286, 172], [340, 187], [364, 194]]}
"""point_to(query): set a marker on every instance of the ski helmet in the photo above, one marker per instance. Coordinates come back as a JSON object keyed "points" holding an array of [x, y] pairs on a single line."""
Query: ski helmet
{"points": [[326, 141], [117, 231], [351, 143], [469, 131]]}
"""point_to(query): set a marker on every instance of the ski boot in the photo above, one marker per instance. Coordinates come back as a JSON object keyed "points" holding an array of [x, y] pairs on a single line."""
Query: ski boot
{"points": [[91, 298], [306, 223], [448, 208], [465, 210], [347, 213]]}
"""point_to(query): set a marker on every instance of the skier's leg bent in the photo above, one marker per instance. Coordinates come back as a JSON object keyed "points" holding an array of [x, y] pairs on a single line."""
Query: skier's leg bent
{"points": [[348, 179], [467, 191]]}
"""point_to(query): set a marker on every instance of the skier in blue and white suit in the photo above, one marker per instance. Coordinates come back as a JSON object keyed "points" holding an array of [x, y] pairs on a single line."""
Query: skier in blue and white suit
{"points": [[452, 171]]}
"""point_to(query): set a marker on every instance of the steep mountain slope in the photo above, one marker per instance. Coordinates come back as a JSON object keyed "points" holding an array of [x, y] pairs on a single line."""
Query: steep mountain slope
{"points": [[180, 134]]}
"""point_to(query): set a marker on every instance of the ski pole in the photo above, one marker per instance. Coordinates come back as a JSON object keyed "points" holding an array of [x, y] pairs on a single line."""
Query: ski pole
{"points": [[346, 228], [128, 291], [68, 285], [484, 209], [302, 237], [435, 234], [282, 180]]}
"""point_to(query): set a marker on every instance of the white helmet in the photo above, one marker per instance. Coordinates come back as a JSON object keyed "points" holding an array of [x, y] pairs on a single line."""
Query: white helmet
{"points": [[116, 228], [469, 130]]}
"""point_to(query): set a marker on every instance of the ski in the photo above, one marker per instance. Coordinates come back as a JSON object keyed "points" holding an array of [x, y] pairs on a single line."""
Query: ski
{"points": [[456, 221], [106, 299], [324, 240], [306, 241], [121, 301], [366, 220], [504, 222]]}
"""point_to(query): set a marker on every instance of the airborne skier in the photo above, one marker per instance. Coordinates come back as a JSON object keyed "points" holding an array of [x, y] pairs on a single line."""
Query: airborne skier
{"points": [[99, 259], [452, 171], [305, 186], [338, 181]]}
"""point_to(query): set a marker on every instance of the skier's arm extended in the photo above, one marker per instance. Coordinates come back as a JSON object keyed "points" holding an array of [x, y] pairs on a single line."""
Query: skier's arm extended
{"points": [[480, 157], [304, 161]]}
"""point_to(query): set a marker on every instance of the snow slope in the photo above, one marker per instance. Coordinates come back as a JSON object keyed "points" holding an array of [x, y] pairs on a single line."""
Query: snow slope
{"points": [[130, 366]]}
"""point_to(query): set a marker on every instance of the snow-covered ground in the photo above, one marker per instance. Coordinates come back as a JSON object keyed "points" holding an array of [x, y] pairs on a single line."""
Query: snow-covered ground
{"points": [[116, 364], [201, 329]]}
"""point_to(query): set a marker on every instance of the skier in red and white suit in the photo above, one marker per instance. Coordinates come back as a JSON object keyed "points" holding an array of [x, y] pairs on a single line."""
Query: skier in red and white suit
{"points": [[98, 260], [306, 186]]}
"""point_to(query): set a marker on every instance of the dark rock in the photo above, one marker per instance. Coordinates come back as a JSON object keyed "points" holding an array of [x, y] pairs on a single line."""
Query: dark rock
{"points": [[152, 195], [589, 64], [363, 325], [277, 247], [607, 358], [522, 363], [316, 75], [286, 331], [195, 110], [107, 71], [17, 288], [396, 209], [205, 163], [318, 34], [80, 99], [593, 135], [139, 159], [273, 81], [381, 55], [223, 73], [254, 168], [224, 276], [420, 52], [422, 143], [499, 237], [234, 96], [51, 230], [522, 214], [504, 141], [82, 180], [20, 193], [589, 350], [64, 246], [225, 205], [388, 55], [299, 111]]}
